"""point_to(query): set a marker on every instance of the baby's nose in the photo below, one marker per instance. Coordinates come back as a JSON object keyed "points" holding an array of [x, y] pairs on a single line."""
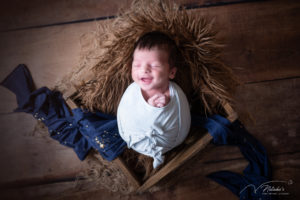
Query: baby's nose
{"points": [[146, 68]]}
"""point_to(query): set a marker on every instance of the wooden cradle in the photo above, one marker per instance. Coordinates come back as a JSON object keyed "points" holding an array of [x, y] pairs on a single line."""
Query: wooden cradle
{"points": [[180, 158]]}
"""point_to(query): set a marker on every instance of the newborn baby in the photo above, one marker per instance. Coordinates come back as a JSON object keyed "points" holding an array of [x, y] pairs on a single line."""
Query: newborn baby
{"points": [[153, 114]]}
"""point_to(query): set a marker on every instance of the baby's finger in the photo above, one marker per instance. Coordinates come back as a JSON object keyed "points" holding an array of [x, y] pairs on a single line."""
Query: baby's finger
{"points": [[160, 105], [156, 96], [152, 100], [161, 99]]}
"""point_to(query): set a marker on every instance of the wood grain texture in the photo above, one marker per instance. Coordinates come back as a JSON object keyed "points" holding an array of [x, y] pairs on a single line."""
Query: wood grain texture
{"points": [[16, 14], [261, 38], [186, 183], [19, 14], [50, 53], [274, 106]]}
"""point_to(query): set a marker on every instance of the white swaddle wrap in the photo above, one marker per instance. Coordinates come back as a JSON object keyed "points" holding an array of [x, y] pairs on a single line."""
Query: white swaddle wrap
{"points": [[151, 130]]}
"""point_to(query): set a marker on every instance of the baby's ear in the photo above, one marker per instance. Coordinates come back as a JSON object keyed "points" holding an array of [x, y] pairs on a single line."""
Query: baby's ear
{"points": [[172, 73]]}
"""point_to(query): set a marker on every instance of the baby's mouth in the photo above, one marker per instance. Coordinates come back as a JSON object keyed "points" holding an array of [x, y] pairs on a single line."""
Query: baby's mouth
{"points": [[146, 80]]}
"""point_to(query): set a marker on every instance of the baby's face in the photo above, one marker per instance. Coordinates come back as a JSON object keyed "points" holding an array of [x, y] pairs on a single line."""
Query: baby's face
{"points": [[151, 69]]}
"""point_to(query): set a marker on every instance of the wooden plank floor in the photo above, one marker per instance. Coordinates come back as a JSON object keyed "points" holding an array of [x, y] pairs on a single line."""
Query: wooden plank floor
{"points": [[17, 14], [262, 46]]}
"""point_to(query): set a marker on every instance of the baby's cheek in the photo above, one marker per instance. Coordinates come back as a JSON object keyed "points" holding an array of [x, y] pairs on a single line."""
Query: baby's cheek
{"points": [[133, 75]]}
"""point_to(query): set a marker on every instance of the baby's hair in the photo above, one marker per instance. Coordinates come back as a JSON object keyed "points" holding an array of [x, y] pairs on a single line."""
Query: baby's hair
{"points": [[163, 41]]}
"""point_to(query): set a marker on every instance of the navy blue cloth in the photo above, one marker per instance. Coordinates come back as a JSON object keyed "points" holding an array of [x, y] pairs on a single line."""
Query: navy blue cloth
{"points": [[101, 130], [80, 131], [258, 171], [19, 81]]}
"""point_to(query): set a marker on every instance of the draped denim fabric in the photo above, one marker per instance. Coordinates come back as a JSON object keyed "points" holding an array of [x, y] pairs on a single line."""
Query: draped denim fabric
{"points": [[80, 131], [258, 171], [85, 130]]}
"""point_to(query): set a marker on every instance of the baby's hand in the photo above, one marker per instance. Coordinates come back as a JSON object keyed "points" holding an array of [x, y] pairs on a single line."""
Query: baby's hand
{"points": [[158, 100]]}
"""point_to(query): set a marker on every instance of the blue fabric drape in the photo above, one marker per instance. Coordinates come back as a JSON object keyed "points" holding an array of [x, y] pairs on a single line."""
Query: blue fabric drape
{"points": [[80, 131], [258, 171], [85, 130]]}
